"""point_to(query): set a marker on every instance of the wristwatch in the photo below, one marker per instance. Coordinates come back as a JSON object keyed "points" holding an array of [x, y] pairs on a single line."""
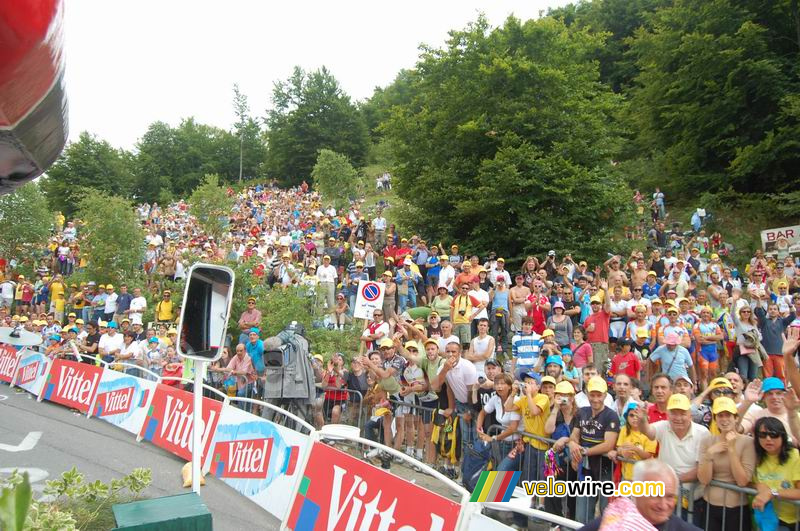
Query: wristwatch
{"points": [[774, 493], [494, 437]]}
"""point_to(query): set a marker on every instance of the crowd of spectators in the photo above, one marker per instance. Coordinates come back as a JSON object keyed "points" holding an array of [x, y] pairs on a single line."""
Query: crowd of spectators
{"points": [[556, 367]]}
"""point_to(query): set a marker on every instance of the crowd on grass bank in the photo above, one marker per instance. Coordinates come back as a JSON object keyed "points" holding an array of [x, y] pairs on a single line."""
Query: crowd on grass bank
{"points": [[557, 367]]}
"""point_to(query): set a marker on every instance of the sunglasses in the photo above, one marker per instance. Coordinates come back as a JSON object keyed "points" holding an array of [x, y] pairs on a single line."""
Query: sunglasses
{"points": [[769, 434], [724, 391]]}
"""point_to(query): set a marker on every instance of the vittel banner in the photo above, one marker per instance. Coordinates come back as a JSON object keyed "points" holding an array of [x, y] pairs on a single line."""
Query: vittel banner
{"points": [[168, 422], [258, 458], [8, 362], [340, 492], [72, 384], [31, 371], [123, 400]]}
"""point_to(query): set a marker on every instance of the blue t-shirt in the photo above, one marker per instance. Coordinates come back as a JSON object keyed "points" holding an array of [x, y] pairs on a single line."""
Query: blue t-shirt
{"points": [[256, 353], [434, 261], [673, 362]]}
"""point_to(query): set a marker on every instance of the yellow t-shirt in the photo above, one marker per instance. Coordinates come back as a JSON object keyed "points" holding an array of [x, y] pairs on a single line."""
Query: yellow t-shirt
{"points": [[462, 303], [164, 311], [639, 440], [780, 476], [534, 424], [56, 291]]}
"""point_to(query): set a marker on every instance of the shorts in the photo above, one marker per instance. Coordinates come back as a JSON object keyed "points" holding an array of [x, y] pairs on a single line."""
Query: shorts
{"points": [[463, 333], [410, 399], [427, 416], [329, 404], [432, 280], [398, 409], [704, 364]]}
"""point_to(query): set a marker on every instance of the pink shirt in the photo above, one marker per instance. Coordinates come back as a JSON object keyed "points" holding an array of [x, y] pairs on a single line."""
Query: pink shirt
{"points": [[582, 355], [243, 364]]}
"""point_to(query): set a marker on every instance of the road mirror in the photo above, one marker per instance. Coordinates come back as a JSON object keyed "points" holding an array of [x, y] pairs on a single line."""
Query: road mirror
{"points": [[205, 311]]}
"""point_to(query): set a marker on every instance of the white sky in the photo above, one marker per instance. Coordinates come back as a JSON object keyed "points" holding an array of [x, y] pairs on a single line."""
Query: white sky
{"points": [[130, 63]]}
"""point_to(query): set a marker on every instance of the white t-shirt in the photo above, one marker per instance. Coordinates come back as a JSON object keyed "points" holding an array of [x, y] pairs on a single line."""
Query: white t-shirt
{"points": [[138, 306], [482, 296], [446, 277], [135, 349], [460, 378], [109, 344], [7, 289], [505, 418], [111, 303], [681, 454], [326, 273]]}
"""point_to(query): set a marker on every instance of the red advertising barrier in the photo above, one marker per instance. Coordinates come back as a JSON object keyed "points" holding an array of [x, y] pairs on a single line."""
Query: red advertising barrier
{"points": [[169, 422], [72, 384], [340, 492], [8, 362]]}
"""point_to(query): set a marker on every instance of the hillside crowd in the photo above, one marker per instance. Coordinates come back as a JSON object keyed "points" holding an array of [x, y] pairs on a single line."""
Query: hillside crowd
{"points": [[555, 367]]}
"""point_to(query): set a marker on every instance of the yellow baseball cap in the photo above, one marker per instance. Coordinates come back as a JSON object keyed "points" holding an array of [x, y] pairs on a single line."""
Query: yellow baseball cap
{"points": [[430, 340], [411, 344], [679, 401], [596, 299], [385, 342], [548, 379], [642, 333], [724, 403], [548, 333], [719, 383], [596, 383], [565, 388]]}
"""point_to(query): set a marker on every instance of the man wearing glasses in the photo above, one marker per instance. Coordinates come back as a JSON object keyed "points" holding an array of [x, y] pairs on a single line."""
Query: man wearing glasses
{"points": [[251, 318], [772, 392], [375, 331]]}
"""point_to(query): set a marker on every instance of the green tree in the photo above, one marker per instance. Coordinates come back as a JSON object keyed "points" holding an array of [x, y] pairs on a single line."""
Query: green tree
{"points": [[89, 163], [211, 205], [311, 112], [334, 177], [113, 236], [252, 149], [25, 220], [715, 103], [511, 128]]}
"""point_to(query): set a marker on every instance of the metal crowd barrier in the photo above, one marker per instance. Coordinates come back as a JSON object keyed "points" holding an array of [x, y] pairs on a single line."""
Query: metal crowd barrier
{"points": [[347, 404]]}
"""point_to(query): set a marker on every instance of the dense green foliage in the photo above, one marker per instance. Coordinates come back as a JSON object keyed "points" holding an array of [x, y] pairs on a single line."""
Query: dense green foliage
{"points": [[89, 163], [334, 177], [114, 238], [511, 127], [311, 112], [211, 205], [25, 220]]}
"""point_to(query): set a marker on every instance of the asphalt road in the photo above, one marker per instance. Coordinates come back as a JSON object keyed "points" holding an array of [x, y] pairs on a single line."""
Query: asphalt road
{"points": [[102, 451]]}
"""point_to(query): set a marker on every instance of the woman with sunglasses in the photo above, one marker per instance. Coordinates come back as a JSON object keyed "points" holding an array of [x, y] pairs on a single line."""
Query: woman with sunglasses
{"points": [[745, 323], [777, 473], [728, 457]]}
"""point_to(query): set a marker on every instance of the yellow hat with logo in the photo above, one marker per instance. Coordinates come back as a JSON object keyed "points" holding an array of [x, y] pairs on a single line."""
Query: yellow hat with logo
{"points": [[596, 383]]}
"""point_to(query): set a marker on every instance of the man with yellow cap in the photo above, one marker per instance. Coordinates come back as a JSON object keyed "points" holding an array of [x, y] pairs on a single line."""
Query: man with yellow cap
{"points": [[679, 442], [594, 434]]}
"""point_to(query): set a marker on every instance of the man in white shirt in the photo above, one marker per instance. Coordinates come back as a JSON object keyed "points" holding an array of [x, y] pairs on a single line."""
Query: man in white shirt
{"points": [[447, 274], [679, 442], [327, 276], [499, 271], [111, 303], [7, 290], [379, 224], [137, 308], [482, 296], [111, 343], [461, 377]]}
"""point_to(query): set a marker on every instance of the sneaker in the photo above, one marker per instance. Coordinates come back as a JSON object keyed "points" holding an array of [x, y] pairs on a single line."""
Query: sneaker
{"points": [[372, 454]]}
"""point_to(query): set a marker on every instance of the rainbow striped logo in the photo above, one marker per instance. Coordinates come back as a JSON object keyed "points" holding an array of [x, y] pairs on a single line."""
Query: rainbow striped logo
{"points": [[495, 487]]}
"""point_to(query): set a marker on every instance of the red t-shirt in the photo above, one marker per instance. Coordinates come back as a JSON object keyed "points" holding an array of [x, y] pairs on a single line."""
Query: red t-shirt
{"points": [[626, 364], [654, 414], [601, 321], [537, 313]]}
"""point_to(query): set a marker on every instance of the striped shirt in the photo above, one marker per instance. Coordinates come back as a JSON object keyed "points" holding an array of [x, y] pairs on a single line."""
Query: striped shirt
{"points": [[525, 348]]}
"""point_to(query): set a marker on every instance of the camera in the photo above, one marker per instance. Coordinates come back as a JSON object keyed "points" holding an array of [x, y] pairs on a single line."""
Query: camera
{"points": [[563, 400]]}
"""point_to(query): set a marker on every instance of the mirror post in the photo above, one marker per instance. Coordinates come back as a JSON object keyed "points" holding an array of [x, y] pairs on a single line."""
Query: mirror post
{"points": [[197, 433], [205, 310]]}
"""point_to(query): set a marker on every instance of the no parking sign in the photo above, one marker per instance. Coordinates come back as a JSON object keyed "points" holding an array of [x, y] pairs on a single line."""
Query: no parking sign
{"points": [[368, 299]]}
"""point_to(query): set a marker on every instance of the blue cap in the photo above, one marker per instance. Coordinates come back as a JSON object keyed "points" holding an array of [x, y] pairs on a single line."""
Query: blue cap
{"points": [[255, 330], [153, 340], [531, 374], [55, 337], [554, 359], [566, 350], [629, 407], [771, 384], [112, 324]]}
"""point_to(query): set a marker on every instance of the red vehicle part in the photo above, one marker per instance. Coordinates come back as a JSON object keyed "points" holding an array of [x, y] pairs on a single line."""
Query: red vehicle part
{"points": [[33, 102]]}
